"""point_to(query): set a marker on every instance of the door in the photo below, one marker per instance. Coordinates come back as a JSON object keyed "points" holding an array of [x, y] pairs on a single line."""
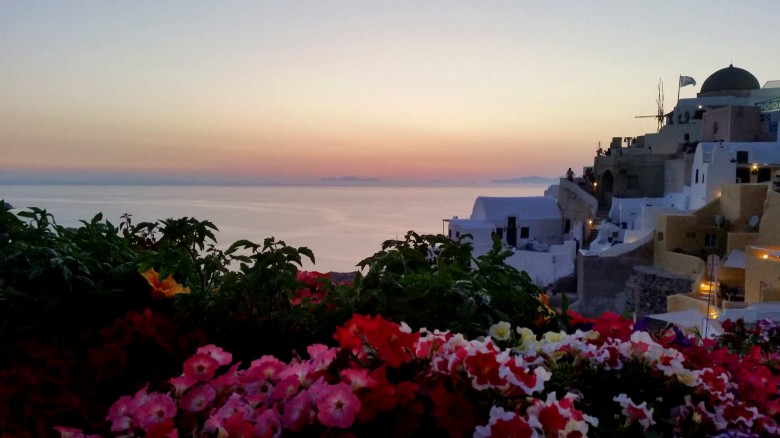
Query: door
{"points": [[511, 231]]}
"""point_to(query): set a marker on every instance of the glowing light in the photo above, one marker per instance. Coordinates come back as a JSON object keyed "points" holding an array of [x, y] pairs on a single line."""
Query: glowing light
{"points": [[754, 167], [707, 287], [765, 256], [713, 314]]}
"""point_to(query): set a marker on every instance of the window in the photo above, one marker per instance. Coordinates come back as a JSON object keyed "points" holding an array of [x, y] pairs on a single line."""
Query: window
{"points": [[567, 225], [457, 234], [524, 232], [709, 240], [449, 234], [696, 180], [499, 232], [660, 236]]}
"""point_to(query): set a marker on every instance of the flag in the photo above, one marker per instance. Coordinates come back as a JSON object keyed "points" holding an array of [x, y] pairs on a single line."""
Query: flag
{"points": [[687, 80]]}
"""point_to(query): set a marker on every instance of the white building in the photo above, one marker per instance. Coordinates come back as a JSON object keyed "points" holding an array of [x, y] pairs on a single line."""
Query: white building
{"points": [[532, 227], [716, 164]]}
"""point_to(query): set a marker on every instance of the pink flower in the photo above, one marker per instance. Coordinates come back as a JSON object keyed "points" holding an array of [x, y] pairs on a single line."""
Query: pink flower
{"points": [[201, 366], [69, 432], [298, 412], [267, 367], [198, 398], [228, 380], [221, 356], [358, 378], [300, 370], [182, 383], [234, 405], [138, 400], [268, 424], [120, 414], [338, 407], [321, 355], [158, 408], [285, 389]]}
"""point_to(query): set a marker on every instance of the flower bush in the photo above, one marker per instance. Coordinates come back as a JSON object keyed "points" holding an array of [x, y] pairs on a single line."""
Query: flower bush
{"points": [[385, 379], [75, 381], [92, 313]]}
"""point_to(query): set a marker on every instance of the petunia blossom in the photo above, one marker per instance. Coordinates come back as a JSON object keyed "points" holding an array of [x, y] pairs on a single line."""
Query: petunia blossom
{"points": [[338, 407], [158, 408]]}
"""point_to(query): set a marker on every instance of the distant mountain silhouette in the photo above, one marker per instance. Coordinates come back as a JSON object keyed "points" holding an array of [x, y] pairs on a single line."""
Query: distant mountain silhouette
{"points": [[526, 180]]}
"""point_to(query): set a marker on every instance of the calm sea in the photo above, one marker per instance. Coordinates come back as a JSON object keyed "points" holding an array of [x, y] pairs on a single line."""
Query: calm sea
{"points": [[342, 225]]}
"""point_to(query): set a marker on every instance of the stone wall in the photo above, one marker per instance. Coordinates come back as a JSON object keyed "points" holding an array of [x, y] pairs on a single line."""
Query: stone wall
{"points": [[601, 281], [647, 288]]}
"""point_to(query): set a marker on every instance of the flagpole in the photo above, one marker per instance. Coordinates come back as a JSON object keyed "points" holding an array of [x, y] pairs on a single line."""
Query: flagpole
{"points": [[679, 79]]}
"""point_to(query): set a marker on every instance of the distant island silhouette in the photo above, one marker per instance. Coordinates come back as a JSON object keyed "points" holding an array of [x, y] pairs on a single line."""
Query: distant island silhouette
{"points": [[350, 179], [526, 180]]}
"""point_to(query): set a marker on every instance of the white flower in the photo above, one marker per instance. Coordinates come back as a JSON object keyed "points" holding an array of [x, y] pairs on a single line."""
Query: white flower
{"points": [[638, 412], [501, 331], [554, 337]]}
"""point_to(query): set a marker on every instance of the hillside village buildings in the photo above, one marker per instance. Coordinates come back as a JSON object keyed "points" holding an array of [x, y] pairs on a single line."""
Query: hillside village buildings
{"points": [[701, 189]]}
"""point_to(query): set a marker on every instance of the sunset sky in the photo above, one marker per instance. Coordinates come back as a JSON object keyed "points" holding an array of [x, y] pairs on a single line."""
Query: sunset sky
{"points": [[294, 91]]}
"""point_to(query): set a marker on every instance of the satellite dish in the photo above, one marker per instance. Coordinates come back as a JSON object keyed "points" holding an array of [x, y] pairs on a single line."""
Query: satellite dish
{"points": [[753, 222]]}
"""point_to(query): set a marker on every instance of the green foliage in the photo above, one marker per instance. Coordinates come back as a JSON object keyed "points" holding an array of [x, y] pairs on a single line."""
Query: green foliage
{"points": [[429, 281], [49, 273], [252, 312], [185, 248], [247, 296]]}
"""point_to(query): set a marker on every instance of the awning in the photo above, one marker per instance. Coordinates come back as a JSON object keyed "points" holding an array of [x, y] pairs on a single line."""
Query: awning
{"points": [[683, 318], [735, 259]]}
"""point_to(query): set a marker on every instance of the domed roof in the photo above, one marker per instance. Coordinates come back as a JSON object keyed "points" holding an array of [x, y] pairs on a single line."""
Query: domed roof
{"points": [[728, 79]]}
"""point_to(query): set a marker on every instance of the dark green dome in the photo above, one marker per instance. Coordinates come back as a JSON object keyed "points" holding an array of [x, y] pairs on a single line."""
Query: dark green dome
{"points": [[730, 79]]}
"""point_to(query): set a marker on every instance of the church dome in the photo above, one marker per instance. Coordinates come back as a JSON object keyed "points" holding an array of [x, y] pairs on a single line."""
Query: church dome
{"points": [[730, 79]]}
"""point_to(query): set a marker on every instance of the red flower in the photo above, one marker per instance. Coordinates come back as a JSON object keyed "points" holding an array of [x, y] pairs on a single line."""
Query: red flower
{"points": [[391, 344], [350, 335], [380, 397], [578, 321], [552, 419], [612, 325], [514, 428], [237, 427], [453, 412], [483, 369]]}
